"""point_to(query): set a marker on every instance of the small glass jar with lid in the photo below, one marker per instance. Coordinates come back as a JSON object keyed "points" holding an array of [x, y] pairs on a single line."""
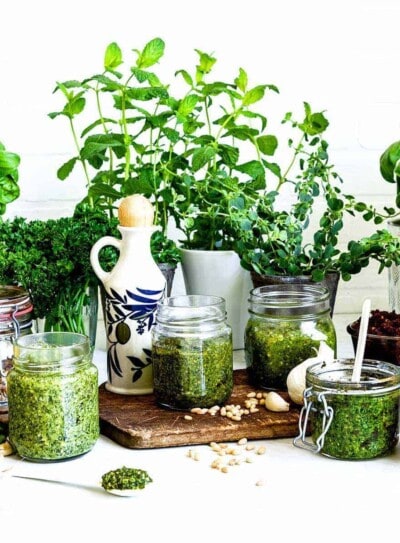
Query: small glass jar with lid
{"points": [[192, 352], [16, 313], [350, 420], [53, 397], [286, 325]]}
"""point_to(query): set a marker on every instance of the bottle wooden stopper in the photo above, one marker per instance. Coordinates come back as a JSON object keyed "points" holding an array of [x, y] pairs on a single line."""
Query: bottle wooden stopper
{"points": [[135, 210]]}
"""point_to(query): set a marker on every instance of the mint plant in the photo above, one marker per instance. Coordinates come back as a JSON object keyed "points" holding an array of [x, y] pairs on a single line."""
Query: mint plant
{"points": [[180, 152], [123, 150]]}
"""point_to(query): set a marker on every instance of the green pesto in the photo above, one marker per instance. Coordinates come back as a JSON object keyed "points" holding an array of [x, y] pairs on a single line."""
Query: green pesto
{"points": [[273, 348], [362, 427], [125, 479], [53, 414], [192, 372]]}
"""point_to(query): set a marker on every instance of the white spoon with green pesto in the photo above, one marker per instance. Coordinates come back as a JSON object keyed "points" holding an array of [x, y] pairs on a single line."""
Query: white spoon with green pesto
{"points": [[124, 482]]}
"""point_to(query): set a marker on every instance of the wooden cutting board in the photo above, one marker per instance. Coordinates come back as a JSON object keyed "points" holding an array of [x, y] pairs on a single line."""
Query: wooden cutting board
{"points": [[137, 422]]}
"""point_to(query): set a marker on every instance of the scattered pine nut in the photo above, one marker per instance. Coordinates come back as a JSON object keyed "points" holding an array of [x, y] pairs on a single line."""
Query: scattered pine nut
{"points": [[188, 417], [242, 441]]}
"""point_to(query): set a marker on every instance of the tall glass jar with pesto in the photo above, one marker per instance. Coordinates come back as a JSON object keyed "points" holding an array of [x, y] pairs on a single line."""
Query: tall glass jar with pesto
{"points": [[53, 397], [351, 420], [192, 352], [285, 327]]}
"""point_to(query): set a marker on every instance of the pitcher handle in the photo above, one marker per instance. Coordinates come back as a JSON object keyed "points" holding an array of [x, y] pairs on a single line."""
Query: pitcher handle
{"points": [[94, 255]]}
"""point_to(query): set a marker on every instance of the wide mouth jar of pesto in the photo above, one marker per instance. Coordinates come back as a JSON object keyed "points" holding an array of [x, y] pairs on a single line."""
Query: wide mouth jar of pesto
{"points": [[351, 420], [285, 327], [192, 352], [53, 397]]}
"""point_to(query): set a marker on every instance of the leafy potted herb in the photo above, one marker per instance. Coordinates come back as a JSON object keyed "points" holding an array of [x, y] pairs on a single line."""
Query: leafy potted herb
{"points": [[292, 232], [389, 165], [51, 259], [9, 188], [127, 147], [220, 171], [180, 151]]}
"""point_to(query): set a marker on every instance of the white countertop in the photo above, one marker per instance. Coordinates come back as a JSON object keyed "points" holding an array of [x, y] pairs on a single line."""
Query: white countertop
{"points": [[304, 496]]}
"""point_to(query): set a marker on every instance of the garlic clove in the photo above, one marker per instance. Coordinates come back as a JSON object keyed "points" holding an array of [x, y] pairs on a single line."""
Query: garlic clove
{"points": [[275, 402]]}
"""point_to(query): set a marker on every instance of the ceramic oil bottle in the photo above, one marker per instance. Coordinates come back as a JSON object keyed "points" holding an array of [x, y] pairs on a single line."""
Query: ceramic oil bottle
{"points": [[132, 291]]}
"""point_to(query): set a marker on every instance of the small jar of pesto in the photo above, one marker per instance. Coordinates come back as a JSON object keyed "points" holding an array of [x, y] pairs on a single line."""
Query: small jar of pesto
{"points": [[285, 327], [192, 352], [351, 420], [53, 397], [16, 313]]}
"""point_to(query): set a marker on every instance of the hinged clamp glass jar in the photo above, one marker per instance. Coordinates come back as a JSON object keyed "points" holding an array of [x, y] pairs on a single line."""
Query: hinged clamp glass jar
{"points": [[349, 420], [285, 327], [53, 397], [192, 352], [15, 320]]}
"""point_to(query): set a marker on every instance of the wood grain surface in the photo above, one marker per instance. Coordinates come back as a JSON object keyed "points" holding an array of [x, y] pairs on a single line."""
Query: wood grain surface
{"points": [[138, 422]]}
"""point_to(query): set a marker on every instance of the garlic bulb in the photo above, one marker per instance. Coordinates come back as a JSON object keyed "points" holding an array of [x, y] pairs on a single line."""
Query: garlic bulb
{"points": [[296, 379], [275, 402]]}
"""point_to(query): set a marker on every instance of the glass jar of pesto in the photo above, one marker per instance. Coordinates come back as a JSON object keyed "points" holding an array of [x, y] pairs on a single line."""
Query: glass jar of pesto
{"points": [[350, 420], [53, 397], [285, 327], [192, 352], [16, 312]]}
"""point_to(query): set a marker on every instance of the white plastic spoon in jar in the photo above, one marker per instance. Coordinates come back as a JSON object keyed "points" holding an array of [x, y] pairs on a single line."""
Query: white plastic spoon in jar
{"points": [[362, 338]]}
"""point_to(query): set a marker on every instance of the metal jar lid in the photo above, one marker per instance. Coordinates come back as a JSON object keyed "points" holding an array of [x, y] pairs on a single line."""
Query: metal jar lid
{"points": [[15, 305]]}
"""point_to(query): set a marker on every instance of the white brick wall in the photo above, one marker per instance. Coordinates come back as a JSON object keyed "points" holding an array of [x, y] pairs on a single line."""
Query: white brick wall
{"points": [[340, 56]]}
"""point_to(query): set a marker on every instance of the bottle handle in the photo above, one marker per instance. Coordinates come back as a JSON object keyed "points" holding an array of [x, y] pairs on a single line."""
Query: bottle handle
{"points": [[94, 255]]}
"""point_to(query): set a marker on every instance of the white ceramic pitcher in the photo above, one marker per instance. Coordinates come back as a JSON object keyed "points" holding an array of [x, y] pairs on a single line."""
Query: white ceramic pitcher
{"points": [[132, 291]]}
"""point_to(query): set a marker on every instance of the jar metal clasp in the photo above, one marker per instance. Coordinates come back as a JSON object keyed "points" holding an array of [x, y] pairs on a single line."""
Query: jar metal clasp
{"points": [[327, 416], [15, 322]]}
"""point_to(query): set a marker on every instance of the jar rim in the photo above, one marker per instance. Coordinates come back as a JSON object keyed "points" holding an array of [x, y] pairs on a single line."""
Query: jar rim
{"points": [[289, 300], [293, 293], [51, 349], [15, 302], [192, 300], [190, 309], [336, 376]]}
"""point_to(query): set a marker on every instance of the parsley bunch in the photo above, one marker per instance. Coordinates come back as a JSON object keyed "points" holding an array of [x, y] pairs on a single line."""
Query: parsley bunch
{"points": [[51, 260]]}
